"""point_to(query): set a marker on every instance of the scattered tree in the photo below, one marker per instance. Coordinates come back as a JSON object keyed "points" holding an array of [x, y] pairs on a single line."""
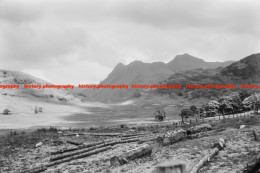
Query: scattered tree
{"points": [[160, 114], [185, 113], [6, 111], [193, 108]]}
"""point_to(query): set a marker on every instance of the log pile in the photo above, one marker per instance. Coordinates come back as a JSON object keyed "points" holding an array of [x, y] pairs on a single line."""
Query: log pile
{"points": [[67, 159], [83, 149], [199, 128], [68, 154], [217, 146], [131, 155], [172, 137], [85, 145]]}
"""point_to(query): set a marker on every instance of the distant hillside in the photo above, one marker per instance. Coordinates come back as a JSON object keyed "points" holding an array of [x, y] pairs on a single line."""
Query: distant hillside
{"points": [[19, 78], [187, 62], [138, 72], [245, 71], [150, 73]]}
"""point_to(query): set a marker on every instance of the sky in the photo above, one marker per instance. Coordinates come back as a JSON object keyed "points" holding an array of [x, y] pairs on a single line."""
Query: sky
{"points": [[81, 41]]}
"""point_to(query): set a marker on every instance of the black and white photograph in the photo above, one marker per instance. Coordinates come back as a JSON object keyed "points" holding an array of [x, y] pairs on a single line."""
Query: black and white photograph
{"points": [[129, 86]]}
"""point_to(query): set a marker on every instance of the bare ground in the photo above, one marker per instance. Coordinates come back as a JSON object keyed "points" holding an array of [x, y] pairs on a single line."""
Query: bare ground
{"points": [[18, 153]]}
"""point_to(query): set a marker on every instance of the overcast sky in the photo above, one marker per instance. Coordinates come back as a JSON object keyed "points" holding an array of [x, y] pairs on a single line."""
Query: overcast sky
{"points": [[80, 41]]}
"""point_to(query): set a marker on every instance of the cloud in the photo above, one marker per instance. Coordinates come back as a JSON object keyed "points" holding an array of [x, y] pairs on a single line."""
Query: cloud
{"points": [[83, 36]]}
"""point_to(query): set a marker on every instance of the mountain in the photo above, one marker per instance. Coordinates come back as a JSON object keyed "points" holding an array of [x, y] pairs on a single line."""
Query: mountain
{"points": [[187, 62], [138, 72], [246, 68], [150, 73], [245, 71]]}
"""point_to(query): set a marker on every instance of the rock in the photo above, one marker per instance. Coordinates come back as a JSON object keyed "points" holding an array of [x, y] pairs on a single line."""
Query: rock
{"points": [[242, 126], [39, 144]]}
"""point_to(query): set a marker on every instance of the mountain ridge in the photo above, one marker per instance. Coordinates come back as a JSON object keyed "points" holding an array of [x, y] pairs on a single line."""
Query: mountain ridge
{"points": [[138, 72]]}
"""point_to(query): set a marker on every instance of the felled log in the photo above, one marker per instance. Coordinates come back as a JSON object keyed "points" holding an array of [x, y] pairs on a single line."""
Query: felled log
{"points": [[256, 135], [172, 137], [131, 155], [35, 170], [44, 166], [78, 156], [129, 135], [217, 146], [114, 134], [62, 156], [74, 142], [85, 145], [76, 152], [103, 134], [143, 140], [199, 128], [252, 166]]}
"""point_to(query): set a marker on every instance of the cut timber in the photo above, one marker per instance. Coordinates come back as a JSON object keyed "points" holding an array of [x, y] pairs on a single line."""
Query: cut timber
{"points": [[74, 142], [62, 156], [82, 155], [131, 155], [103, 134], [199, 128], [256, 135], [114, 134], [76, 152], [172, 137], [217, 146], [44, 167], [143, 140], [35, 170], [85, 145], [252, 166], [134, 134]]}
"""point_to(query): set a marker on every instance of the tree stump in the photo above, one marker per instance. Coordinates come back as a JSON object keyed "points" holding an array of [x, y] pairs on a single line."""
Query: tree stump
{"points": [[131, 155]]}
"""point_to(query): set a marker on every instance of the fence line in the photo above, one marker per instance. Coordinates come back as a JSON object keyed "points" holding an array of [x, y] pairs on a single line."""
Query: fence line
{"points": [[219, 117]]}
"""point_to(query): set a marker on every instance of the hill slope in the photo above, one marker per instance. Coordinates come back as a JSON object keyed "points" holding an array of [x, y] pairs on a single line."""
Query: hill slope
{"points": [[138, 72], [187, 62], [245, 71]]}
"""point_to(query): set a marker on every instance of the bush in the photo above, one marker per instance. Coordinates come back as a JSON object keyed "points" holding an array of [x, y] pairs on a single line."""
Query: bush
{"points": [[6, 111], [160, 114]]}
